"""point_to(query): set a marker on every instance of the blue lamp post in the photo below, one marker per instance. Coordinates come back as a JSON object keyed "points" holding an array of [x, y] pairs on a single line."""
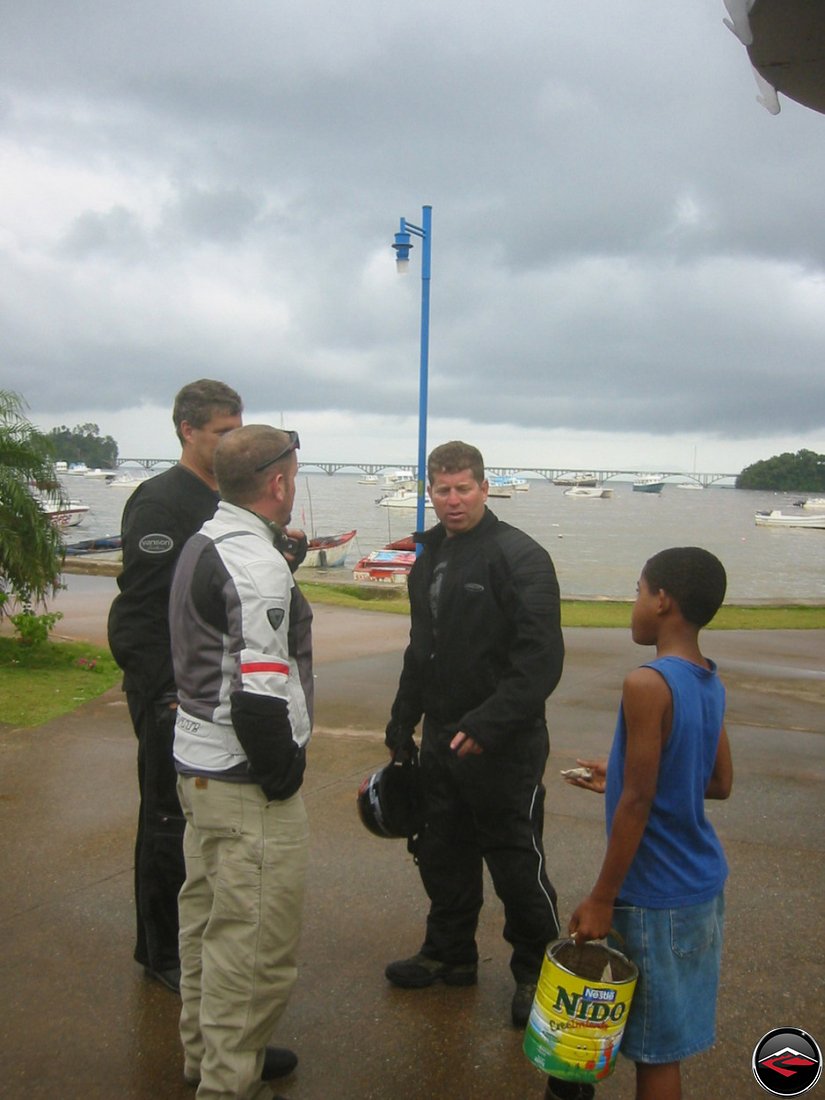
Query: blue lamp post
{"points": [[402, 248]]}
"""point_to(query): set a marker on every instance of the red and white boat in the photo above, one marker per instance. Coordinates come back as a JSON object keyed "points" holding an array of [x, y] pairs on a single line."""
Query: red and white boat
{"points": [[390, 565], [328, 551], [67, 513]]}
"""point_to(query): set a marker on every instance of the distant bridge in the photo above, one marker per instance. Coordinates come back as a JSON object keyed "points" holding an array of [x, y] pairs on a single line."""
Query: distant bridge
{"points": [[549, 473]]}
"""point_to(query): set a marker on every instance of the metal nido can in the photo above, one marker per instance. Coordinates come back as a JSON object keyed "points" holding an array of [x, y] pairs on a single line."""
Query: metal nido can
{"points": [[579, 1011]]}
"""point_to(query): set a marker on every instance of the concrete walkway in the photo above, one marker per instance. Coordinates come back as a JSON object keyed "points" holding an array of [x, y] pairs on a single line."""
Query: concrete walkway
{"points": [[80, 1021]]}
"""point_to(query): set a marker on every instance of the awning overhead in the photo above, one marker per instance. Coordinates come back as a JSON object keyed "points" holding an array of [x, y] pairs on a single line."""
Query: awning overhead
{"points": [[785, 40]]}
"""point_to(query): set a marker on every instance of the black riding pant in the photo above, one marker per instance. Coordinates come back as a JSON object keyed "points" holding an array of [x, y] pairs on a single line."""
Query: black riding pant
{"points": [[159, 865], [486, 808]]}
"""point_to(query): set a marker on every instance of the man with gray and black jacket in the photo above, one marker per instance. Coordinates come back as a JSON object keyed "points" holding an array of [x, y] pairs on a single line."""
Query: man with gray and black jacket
{"points": [[241, 646], [485, 652]]}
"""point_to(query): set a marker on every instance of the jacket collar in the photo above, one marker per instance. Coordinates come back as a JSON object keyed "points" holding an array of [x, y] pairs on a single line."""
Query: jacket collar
{"points": [[434, 537]]}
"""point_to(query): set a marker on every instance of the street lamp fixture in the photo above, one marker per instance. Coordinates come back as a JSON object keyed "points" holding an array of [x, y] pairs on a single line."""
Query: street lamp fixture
{"points": [[402, 246]]}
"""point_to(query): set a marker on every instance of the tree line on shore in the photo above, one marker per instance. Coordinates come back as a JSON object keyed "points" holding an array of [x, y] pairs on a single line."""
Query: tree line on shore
{"points": [[803, 472]]}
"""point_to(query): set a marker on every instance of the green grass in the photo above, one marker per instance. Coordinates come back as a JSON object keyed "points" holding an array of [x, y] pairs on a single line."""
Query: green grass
{"points": [[735, 617], [593, 613], [38, 683]]}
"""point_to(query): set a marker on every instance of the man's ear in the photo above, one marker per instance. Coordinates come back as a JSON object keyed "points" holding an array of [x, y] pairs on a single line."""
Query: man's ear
{"points": [[277, 486], [664, 602]]}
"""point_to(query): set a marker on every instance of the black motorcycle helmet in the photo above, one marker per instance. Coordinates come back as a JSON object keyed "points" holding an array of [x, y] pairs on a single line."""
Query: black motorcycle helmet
{"points": [[389, 800]]}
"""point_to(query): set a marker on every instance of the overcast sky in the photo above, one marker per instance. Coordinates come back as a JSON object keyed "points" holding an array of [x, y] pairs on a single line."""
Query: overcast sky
{"points": [[628, 251]]}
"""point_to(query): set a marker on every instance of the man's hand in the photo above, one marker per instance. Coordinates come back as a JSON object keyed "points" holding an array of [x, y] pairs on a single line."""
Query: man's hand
{"points": [[296, 547], [462, 745]]}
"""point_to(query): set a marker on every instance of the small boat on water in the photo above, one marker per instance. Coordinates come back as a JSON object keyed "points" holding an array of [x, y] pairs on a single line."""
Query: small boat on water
{"points": [[689, 485], [98, 474], [506, 484], [390, 565], [814, 503], [649, 483], [109, 545], [588, 479], [596, 492], [368, 479], [328, 551], [125, 481], [495, 490], [775, 518], [67, 513], [399, 479], [403, 498]]}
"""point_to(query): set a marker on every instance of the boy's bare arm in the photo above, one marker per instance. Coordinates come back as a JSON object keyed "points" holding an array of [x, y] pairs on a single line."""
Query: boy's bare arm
{"points": [[721, 779], [646, 703]]}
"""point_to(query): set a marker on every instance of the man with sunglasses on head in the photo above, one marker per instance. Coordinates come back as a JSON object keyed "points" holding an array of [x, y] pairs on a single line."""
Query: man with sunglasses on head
{"points": [[242, 650], [157, 520]]}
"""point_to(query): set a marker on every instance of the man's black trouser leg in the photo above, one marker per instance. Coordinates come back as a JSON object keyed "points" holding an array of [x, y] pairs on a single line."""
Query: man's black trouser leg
{"points": [[159, 865], [488, 807]]}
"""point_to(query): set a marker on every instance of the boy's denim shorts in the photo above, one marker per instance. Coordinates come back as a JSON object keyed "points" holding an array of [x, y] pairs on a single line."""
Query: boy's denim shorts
{"points": [[678, 953]]}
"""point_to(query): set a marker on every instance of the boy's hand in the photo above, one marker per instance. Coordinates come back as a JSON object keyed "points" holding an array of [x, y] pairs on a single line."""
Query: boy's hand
{"points": [[598, 776], [591, 920]]}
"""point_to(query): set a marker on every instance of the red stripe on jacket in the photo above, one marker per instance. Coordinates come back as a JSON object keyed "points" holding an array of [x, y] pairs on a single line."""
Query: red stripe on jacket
{"points": [[251, 667]]}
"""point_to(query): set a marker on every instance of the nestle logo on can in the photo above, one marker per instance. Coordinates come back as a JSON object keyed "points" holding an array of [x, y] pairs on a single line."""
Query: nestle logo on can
{"points": [[591, 994], [156, 543]]}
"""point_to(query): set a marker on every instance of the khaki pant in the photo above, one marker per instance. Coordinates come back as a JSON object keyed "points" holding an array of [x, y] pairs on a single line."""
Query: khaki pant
{"points": [[240, 915]]}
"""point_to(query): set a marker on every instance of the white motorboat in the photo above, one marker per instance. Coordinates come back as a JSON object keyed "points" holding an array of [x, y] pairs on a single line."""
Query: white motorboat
{"points": [[399, 479], [775, 518], [100, 475], [587, 479], [505, 484], [65, 513], [368, 479], [595, 492], [814, 503], [495, 489], [125, 481], [403, 498], [689, 485], [649, 483]]}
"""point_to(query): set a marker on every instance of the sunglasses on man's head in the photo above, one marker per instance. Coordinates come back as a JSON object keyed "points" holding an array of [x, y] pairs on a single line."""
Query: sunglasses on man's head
{"points": [[294, 444]]}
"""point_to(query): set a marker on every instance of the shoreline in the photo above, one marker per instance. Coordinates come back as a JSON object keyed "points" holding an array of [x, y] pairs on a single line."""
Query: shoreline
{"points": [[100, 567]]}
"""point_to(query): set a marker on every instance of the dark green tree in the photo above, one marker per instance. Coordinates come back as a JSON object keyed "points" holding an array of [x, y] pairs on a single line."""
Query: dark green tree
{"points": [[31, 552], [84, 444], [803, 472]]}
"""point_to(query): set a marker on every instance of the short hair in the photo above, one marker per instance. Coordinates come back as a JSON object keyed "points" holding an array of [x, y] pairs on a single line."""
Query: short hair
{"points": [[198, 402], [452, 458], [237, 456], [693, 577]]}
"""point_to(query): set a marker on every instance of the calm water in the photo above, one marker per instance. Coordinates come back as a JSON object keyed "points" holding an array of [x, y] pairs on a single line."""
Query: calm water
{"points": [[598, 546]]}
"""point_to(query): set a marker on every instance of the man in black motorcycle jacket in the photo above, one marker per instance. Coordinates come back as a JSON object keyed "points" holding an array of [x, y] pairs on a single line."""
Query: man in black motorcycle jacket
{"points": [[485, 652]]}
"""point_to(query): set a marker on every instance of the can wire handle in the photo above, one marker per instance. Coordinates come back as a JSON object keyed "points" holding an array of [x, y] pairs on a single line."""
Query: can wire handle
{"points": [[613, 932]]}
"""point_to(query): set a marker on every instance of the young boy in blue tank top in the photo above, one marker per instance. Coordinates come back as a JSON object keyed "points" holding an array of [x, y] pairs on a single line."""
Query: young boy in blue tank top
{"points": [[661, 883]]}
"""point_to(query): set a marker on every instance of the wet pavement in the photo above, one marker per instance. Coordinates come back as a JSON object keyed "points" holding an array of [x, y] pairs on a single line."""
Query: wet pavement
{"points": [[79, 1019]]}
